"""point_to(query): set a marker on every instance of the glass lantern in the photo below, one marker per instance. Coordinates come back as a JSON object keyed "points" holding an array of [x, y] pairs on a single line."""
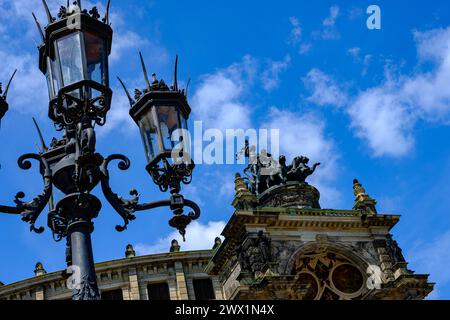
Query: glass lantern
{"points": [[74, 60], [162, 120]]}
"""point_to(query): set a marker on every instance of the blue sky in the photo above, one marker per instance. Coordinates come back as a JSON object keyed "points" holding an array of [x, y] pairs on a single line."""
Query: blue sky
{"points": [[368, 104]]}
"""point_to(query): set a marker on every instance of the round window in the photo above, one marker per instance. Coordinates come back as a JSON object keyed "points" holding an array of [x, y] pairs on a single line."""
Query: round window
{"points": [[347, 278], [306, 281]]}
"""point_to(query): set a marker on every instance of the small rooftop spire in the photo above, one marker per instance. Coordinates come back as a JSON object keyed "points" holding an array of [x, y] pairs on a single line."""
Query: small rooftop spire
{"points": [[362, 200], [175, 247], [217, 243], [129, 252], [39, 270]]}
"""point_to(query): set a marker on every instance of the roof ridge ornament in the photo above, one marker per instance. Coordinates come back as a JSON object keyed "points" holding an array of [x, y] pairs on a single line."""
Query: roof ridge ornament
{"points": [[362, 200]]}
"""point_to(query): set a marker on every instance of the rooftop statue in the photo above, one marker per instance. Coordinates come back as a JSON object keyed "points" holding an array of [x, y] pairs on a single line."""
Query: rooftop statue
{"points": [[264, 172]]}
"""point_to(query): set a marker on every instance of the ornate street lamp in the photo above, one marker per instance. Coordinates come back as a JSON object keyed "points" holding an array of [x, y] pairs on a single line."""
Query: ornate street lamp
{"points": [[161, 113], [74, 58]]}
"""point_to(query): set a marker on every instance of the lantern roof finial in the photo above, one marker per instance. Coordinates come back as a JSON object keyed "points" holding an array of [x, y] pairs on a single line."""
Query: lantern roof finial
{"points": [[5, 94], [144, 70], [127, 93], [41, 138], [175, 75], [41, 33], [47, 12], [106, 18], [187, 87]]}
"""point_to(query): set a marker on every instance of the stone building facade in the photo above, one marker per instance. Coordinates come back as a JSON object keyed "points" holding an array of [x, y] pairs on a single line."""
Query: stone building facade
{"points": [[175, 275], [278, 244]]}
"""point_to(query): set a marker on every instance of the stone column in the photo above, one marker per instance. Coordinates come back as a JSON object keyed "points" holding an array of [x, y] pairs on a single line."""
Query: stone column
{"points": [[190, 288], [134, 284], [173, 291], [126, 293], [40, 294], [218, 290], [181, 282]]}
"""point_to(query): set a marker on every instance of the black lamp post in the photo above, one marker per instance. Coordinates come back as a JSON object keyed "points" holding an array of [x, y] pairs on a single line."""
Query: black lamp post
{"points": [[74, 58]]}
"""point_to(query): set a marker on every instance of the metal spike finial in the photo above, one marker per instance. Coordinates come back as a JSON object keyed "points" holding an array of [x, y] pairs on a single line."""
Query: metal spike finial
{"points": [[47, 11], [187, 87], [41, 138], [5, 95], [126, 91], [39, 27], [106, 19], [175, 75], [144, 69]]}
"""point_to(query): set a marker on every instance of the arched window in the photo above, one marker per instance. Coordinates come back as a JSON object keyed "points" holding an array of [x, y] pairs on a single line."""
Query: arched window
{"points": [[327, 276]]}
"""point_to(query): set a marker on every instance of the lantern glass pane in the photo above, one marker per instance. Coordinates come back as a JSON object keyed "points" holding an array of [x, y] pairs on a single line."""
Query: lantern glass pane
{"points": [[96, 58], [52, 79], [182, 141], [149, 134], [168, 124], [70, 59]]}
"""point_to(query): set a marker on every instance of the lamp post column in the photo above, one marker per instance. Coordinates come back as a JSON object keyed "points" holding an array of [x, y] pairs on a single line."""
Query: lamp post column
{"points": [[80, 210]]}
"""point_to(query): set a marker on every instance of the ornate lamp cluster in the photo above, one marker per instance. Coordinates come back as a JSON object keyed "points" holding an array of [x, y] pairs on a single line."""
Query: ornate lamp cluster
{"points": [[74, 58]]}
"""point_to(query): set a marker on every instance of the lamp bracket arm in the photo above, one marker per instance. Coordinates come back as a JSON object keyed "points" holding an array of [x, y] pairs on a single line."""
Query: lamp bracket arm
{"points": [[31, 210], [124, 207]]}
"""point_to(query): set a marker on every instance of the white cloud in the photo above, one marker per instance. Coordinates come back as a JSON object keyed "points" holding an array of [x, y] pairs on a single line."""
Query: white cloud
{"points": [[305, 135], [324, 89], [305, 48], [218, 99], [118, 117], [330, 31], [28, 92], [354, 52], [296, 31], [198, 237], [385, 116], [433, 258], [330, 21], [270, 77], [380, 118]]}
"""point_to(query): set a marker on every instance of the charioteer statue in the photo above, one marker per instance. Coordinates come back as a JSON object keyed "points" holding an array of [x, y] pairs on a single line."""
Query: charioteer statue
{"points": [[264, 172]]}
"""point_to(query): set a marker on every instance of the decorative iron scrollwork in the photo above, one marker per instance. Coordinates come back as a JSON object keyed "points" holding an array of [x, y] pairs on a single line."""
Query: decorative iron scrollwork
{"points": [[31, 210], [171, 175], [124, 207]]}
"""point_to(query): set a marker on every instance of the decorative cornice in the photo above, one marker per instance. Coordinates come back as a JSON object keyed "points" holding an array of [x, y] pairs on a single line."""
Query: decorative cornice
{"points": [[293, 219], [185, 257]]}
